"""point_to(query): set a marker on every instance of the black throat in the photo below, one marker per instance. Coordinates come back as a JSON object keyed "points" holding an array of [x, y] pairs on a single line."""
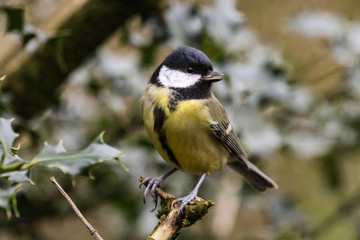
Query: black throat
{"points": [[200, 90]]}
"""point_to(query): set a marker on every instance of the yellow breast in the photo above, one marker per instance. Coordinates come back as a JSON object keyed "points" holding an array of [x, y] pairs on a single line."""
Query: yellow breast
{"points": [[187, 133]]}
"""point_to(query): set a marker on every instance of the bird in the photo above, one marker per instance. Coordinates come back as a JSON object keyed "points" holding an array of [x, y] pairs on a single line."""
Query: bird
{"points": [[188, 125]]}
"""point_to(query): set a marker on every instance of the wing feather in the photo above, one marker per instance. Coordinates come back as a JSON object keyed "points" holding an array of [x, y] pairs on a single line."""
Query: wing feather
{"points": [[224, 132], [222, 129]]}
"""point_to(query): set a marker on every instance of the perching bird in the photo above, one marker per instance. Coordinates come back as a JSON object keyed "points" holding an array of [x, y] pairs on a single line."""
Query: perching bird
{"points": [[188, 125]]}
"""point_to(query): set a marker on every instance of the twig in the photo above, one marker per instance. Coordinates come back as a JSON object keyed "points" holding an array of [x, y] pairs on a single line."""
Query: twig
{"points": [[170, 221], [92, 230]]}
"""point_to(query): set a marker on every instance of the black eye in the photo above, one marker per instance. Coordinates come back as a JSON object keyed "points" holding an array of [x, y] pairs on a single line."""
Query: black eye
{"points": [[190, 70]]}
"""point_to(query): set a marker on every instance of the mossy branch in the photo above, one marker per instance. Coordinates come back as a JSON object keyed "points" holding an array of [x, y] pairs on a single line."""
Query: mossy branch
{"points": [[170, 221]]}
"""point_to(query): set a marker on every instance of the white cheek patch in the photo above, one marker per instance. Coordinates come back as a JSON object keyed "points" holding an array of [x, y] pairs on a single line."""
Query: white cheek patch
{"points": [[177, 78]]}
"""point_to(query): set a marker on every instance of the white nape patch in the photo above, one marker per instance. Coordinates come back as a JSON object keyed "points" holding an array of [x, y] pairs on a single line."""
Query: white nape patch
{"points": [[177, 78]]}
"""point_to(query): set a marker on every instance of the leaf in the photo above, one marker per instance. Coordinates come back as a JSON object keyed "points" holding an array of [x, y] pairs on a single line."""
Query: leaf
{"points": [[11, 170], [14, 180], [75, 162], [7, 135], [11, 160], [14, 171], [8, 199], [15, 18], [17, 176]]}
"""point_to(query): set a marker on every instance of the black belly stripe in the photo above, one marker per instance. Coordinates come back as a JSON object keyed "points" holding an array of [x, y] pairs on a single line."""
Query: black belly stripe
{"points": [[159, 119]]}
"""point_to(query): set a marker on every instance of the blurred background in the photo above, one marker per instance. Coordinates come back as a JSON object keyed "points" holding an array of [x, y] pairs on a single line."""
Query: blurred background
{"points": [[292, 91]]}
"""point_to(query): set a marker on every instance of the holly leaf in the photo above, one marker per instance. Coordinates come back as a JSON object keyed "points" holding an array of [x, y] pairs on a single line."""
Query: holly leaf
{"points": [[7, 136], [15, 18], [74, 163], [12, 179], [8, 199], [14, 171], [11, 160], [18, 176]]}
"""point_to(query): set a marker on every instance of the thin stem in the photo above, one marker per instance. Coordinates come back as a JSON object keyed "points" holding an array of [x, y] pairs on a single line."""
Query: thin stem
{"points": [[92, 230], [14, 167]]}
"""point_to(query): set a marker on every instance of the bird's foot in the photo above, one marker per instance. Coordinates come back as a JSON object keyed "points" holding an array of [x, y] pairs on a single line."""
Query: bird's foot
{"points": [[151, 185], [186, 199]]}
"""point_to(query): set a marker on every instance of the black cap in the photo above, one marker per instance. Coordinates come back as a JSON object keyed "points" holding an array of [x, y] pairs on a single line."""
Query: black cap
{"points": [[186, 57]]}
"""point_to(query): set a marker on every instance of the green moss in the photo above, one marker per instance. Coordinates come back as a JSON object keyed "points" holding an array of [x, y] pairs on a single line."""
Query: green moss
{"points": [[196, 210]]}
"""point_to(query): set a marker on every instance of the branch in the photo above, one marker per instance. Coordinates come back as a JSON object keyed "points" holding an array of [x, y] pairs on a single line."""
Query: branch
{"points": [[170, 221], [37, 83], [92, 230]]}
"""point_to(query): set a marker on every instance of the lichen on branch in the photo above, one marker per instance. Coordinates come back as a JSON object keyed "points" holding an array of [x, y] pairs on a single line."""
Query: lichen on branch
{"points": [[170, 221]]}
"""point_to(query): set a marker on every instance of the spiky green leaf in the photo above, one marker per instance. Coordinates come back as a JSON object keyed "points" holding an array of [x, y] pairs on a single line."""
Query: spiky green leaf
{"points": [[14, 171], [8, 199], [7, 135], [75, 162]]}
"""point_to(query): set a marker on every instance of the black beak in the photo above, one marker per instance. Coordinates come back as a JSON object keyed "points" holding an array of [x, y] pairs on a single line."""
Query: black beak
{"points": [[212, 77]]}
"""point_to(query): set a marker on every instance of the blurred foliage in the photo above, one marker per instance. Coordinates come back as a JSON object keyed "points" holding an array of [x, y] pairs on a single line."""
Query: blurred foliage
{"points": [[14, 171], [291, 89]]}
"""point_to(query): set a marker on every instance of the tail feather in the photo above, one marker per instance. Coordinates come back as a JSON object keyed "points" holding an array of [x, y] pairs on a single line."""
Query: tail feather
{"points": [[254, 176]]}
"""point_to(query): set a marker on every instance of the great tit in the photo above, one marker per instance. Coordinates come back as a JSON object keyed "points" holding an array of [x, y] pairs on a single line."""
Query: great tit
{"points": [[188, 125]]}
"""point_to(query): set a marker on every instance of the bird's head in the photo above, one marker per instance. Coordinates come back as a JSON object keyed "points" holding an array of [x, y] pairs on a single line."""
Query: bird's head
{"points": [[185, 67]]}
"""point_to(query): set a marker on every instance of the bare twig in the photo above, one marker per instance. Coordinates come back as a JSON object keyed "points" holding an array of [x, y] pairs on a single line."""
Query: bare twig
{"points": [[92, 230], [170, 221]]}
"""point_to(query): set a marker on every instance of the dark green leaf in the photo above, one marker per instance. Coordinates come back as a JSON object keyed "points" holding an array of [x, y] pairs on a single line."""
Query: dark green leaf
{"points": [[14, 171], [8, 199], [11, 170], [75, 162], [7, 136], [11, 160], [17, 176]]}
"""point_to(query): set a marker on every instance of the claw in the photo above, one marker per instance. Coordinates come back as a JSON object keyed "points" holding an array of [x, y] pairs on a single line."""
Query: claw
{"points": [[154, 186], [192, 195], [185, 200], [156, 202], [153, 183], [145, 182]]}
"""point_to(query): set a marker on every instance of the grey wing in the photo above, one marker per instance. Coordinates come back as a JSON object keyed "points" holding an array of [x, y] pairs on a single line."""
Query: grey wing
{"points": [[254, 176], [224, 132]]}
